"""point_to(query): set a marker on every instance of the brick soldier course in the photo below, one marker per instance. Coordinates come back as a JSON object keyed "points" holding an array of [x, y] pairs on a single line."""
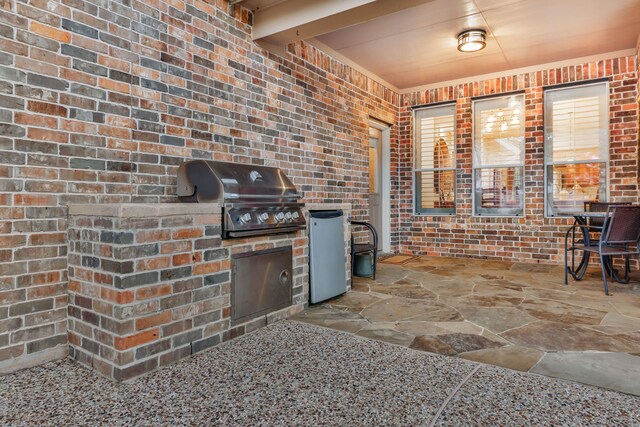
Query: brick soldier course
{"points": [[100, 101]]}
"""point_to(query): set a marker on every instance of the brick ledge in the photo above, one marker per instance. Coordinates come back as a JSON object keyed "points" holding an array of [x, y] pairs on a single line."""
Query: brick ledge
{"points": [[144, 210]]}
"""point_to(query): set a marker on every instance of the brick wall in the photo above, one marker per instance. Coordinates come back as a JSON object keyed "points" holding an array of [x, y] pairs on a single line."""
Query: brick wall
{"points": [[101, 100], [532, 238]]}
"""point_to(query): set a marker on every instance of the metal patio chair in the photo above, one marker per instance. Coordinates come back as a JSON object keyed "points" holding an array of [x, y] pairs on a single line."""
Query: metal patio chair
{"points": [[370, 247], [597, 222], [585, 231], [620, 237]]}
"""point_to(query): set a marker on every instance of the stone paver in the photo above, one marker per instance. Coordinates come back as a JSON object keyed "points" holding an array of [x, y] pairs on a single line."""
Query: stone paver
{"points": [[627, 306], [463, 343], [387, 335], [433, 345], [405, 288], [621, 321], [552, 336], [396, 309], [420, 328], [512, 357], [619, 371], [461, 327], [483, 300], [353, 301], [562, 312], [499, 313], [341, 320], [497, 319], [443, 287]]}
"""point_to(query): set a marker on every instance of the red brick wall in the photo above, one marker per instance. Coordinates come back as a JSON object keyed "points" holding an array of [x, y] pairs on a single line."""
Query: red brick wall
{"points": [[100, 101], [532, 238]]}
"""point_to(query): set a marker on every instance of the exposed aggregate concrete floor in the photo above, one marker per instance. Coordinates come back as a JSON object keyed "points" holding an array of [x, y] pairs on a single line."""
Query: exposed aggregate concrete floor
{"points": [[292, 374]]}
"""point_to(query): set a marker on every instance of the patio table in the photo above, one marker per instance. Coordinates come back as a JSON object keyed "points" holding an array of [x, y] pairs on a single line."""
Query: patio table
{"points": [[579, 272]]}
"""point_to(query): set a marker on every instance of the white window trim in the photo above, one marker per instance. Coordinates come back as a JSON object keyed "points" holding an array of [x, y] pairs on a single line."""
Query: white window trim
{"points": [[414, 170], [547, 206]]}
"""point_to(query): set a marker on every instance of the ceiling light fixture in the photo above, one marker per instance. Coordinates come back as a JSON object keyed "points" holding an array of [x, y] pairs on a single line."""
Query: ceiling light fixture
{"points": [[472, 40]]}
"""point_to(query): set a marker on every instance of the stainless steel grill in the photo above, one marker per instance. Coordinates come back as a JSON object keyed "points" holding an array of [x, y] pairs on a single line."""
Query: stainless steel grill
{"points": [[256, 200]]}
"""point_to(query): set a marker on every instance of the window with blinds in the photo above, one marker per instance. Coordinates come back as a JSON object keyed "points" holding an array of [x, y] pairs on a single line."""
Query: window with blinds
{"points": [[576, 147], [435, 160], [498, 156]]}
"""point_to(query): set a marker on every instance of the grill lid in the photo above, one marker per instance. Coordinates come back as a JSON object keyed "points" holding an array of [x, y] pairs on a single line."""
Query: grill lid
{"points": [[208, 181]]}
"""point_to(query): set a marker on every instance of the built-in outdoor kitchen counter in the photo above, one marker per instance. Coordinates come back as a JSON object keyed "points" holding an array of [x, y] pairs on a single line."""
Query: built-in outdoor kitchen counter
{"points": [[150, 284]]}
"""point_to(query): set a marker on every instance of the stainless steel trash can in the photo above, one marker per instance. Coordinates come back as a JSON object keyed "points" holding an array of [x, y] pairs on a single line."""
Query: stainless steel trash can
{"points": [[327, 258]]}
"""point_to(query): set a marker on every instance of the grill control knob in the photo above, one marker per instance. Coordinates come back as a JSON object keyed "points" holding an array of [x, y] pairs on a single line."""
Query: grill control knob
{"points": [[245, 218], [295, 215], [279, 216], [287, 216], [263, 217]]}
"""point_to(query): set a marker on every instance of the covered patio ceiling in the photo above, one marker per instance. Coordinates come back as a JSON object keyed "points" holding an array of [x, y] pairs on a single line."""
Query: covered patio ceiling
{"points": [[407, 44]]}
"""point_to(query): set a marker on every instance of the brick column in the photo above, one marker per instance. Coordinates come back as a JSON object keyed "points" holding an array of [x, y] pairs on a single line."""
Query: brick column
{"points": [[148, 285]]}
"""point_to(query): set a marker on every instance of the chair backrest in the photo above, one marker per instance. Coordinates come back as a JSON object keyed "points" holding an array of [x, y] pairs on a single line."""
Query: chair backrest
{"points": [[372, 230], [600, 207], [622, 225]]}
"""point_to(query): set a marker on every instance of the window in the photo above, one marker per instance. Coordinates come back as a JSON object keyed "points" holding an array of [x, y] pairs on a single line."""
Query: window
{"points": [[498, 156], [435, 160], [576, 151]]}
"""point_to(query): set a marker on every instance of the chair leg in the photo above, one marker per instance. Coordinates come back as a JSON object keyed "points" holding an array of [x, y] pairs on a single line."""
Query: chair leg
{"points": [[353, 265], [566, 264], [604, 273], [375, 263], [573, 254], [627, 269]]}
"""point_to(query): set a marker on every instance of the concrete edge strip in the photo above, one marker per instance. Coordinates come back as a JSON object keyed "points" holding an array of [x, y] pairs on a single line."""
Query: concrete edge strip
{"points": [[451, 395]]}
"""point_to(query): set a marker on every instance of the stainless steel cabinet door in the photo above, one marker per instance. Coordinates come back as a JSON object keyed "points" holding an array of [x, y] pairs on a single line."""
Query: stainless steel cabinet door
{"points": [[327, 255], [262, 282]]}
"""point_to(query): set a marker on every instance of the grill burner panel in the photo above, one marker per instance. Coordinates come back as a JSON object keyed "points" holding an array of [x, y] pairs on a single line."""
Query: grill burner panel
{"points": [[241, 221], [256, 200]]}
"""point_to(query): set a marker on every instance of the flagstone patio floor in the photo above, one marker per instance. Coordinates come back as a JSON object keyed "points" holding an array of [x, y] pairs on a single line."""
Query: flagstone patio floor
{"points": [[513, 315]]}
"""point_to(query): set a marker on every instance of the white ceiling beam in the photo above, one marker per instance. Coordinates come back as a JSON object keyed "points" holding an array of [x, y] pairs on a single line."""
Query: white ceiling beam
{"points": [[294, 20]]}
